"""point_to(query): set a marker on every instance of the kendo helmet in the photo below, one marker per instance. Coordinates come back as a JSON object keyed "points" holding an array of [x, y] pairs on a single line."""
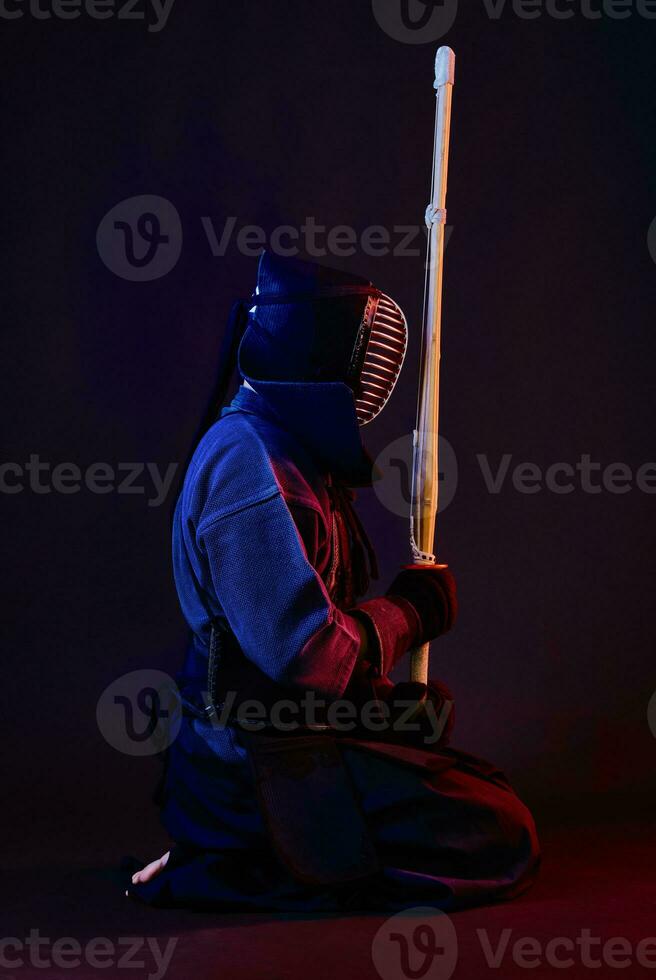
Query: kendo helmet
{"points": [[308, 323]]}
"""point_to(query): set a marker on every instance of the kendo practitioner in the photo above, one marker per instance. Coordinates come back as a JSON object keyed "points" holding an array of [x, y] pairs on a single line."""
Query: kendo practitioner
{"points": [[270, 563]]}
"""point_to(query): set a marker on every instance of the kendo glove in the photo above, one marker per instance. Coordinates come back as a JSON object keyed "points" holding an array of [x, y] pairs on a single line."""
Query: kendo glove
{"points": [[431, 591], [419, 606]]}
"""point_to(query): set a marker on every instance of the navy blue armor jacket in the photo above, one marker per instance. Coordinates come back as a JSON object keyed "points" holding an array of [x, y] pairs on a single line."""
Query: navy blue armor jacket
{"points": [[259, 543]]}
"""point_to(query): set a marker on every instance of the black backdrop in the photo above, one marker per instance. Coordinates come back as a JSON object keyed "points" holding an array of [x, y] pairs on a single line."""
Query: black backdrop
{"points": [[272, 114]]}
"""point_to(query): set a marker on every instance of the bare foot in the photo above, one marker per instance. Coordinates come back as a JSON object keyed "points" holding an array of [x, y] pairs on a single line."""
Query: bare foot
{"points": [[151, 870]]}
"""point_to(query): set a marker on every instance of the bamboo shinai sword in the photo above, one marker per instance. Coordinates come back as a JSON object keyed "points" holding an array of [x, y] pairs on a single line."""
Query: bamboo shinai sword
{"points": [[425, 470]]}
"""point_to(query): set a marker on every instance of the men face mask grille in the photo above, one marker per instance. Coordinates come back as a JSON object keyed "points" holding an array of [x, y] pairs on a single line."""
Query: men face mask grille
{"points": [[387, 330]]}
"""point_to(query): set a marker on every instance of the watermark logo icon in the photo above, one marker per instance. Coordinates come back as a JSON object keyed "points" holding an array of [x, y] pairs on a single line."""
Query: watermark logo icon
{"points": [[415, 21], [651, 714], [140, 239], [394, 485], [651, 240], [416, 944], [140, 713]]}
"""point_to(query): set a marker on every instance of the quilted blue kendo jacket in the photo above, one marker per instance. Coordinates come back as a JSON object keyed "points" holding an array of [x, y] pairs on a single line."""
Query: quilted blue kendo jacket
{"points": [[254, 545]]}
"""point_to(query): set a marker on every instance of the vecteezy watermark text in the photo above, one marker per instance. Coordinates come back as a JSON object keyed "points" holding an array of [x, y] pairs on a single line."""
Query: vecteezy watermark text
{"points": [[563, 478], [122, 10], [399, 716], [41, 477], [565, 952], [507, 473], [318, 240], [424, 21], [422, 944], [566, 9], [142, 953], [140, 714], [393, 485], [140, 238]]}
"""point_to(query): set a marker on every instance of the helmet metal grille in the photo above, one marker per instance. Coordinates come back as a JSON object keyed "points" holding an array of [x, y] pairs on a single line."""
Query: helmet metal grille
{"points": [[387, 330]]}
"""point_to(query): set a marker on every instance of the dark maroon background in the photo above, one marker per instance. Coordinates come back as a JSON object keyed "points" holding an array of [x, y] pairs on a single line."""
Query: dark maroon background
{"points": [[272, 112]]}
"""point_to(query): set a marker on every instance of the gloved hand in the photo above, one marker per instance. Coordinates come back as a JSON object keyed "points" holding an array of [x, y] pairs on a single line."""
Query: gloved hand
{"points": [[431, 591]]}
